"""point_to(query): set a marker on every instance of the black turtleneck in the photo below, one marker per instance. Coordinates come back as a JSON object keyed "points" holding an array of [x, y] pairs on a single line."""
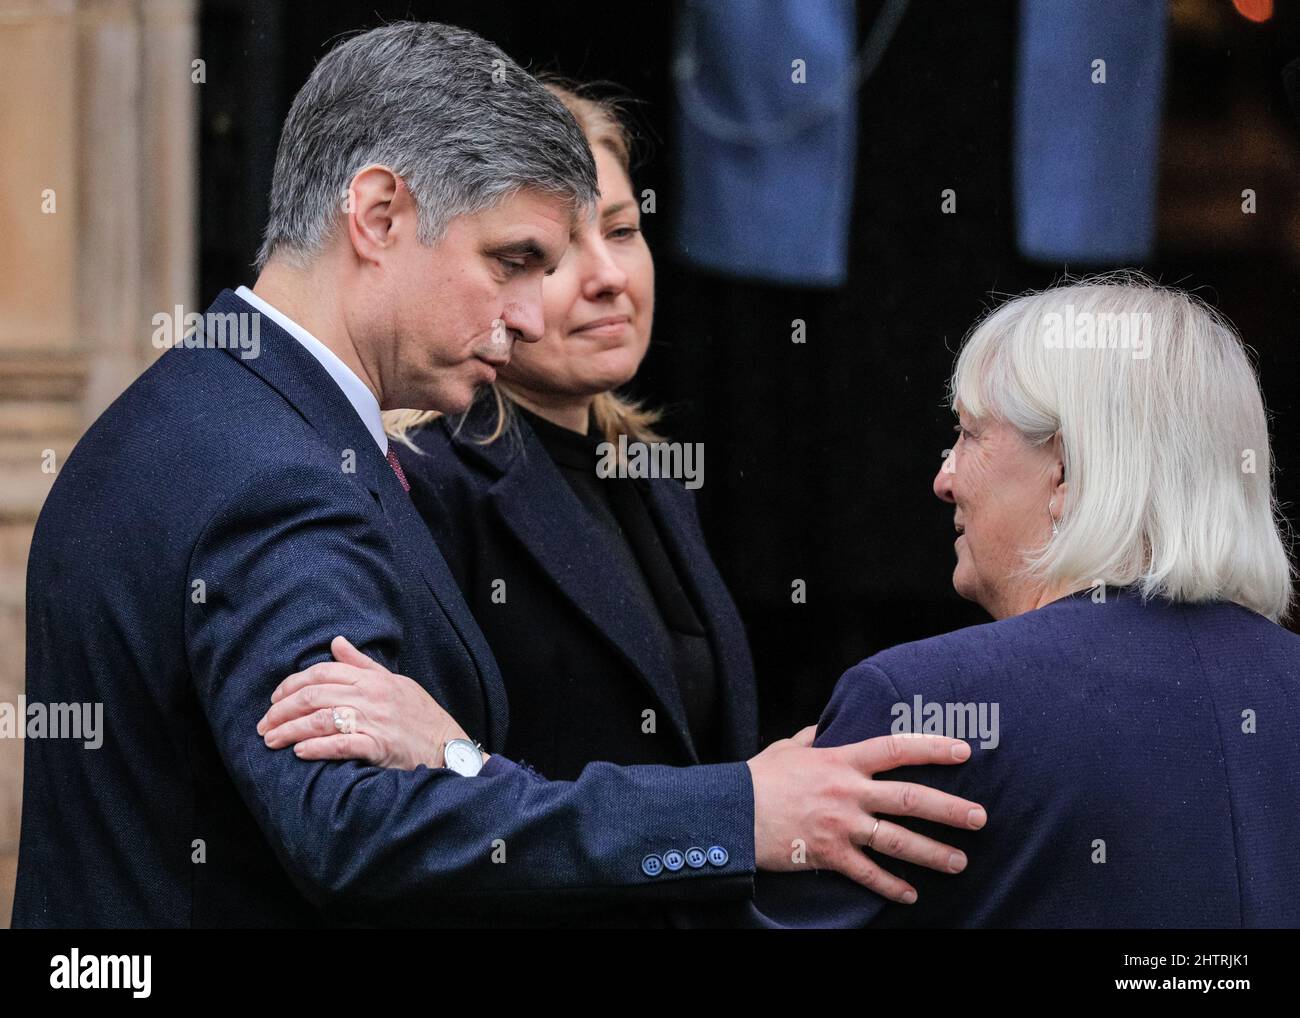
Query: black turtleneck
{"points": [[620, 505]]}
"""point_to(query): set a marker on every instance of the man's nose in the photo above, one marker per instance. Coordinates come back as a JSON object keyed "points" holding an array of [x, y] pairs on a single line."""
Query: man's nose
{"points": [[524, 318], [943, 479]]}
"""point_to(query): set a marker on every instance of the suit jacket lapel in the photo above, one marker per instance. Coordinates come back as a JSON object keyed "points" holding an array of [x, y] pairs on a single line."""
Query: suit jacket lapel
{"points": [[536, 503], [417, 543], [679, 530], [292, 371]]}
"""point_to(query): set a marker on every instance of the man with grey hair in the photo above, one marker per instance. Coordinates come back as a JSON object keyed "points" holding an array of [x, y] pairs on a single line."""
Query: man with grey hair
{"points": [[229, 517]]}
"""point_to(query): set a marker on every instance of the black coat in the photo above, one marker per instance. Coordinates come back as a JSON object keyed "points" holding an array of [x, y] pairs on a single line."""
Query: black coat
{"points": [[578, 666]]}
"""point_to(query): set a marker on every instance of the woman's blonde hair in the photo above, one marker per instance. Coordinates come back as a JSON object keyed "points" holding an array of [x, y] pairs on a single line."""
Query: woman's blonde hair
{"points": [[601, 119], [1164, 432]]}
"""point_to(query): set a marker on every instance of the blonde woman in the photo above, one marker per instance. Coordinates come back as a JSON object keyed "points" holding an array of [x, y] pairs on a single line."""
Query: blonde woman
{"points": [[616, 637]]}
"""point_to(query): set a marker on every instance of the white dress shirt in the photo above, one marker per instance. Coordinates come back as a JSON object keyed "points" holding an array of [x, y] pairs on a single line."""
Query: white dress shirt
{"points": [[359, 395]]}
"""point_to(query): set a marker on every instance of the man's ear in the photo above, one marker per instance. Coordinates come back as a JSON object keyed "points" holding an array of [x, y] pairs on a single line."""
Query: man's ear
{"points": [[378, 210]]}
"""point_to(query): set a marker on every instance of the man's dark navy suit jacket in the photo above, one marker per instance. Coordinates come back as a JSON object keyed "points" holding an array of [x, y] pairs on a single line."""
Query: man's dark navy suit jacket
{"points": [[221, 522], [1144, 774]]}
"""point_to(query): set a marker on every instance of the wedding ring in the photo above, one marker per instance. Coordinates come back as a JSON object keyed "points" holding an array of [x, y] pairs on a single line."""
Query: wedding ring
{"points": [[873, 832]]}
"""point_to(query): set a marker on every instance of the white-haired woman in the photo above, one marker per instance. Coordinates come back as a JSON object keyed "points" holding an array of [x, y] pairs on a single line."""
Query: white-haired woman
{"points": [[1135, 708]]}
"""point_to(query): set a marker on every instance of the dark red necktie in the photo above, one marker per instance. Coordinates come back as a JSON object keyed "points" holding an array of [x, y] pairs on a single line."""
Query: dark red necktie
{"points": [[397, 469]]}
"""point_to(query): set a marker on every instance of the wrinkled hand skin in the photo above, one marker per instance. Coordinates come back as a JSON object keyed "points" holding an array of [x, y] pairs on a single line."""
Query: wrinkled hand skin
{"points": [[397, 723], [826, 801]]}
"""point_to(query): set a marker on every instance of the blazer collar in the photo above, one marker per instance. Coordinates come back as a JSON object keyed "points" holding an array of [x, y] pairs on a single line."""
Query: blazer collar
{"points": [[295, 374], [354, 389], [284, 365], [532, 498], [674, 512]]}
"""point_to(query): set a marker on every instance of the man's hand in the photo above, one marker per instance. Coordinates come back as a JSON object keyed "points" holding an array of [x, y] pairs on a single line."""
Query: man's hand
{"points": [[395, 722], [826, 797]]}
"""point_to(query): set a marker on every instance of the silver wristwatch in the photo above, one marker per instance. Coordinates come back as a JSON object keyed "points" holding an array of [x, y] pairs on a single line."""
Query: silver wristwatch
{"points": [[463, 757]]}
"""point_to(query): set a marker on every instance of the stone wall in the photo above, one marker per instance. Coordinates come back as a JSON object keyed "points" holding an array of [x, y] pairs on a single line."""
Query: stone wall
{"points": [[97, 222]]}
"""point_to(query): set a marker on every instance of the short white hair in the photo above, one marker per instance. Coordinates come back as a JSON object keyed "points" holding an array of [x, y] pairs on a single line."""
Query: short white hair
{"points": [[1164, 432]]}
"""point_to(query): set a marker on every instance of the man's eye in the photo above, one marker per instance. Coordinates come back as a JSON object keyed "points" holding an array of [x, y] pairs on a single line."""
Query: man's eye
{"points": [[624, 232], [511, 265]]}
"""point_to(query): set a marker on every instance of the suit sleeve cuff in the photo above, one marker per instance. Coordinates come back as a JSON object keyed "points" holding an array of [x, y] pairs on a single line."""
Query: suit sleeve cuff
{"points": [[499, 765]]}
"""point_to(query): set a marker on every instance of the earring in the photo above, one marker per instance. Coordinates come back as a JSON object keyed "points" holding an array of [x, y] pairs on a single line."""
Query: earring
{"points": [[1055, 529]]}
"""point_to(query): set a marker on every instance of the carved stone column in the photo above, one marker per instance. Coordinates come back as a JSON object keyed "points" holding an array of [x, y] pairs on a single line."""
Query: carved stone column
{"points": [[97, 213]]}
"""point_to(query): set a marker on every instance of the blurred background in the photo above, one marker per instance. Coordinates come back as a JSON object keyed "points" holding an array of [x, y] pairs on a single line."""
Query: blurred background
{"points": [[933, 157]]}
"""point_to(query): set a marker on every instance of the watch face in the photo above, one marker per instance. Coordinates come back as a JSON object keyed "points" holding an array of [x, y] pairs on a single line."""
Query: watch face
{"points": [[463, 757]]}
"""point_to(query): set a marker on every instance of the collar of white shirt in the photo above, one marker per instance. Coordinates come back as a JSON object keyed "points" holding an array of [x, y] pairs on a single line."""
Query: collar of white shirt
{"points": [[359, 395]]}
